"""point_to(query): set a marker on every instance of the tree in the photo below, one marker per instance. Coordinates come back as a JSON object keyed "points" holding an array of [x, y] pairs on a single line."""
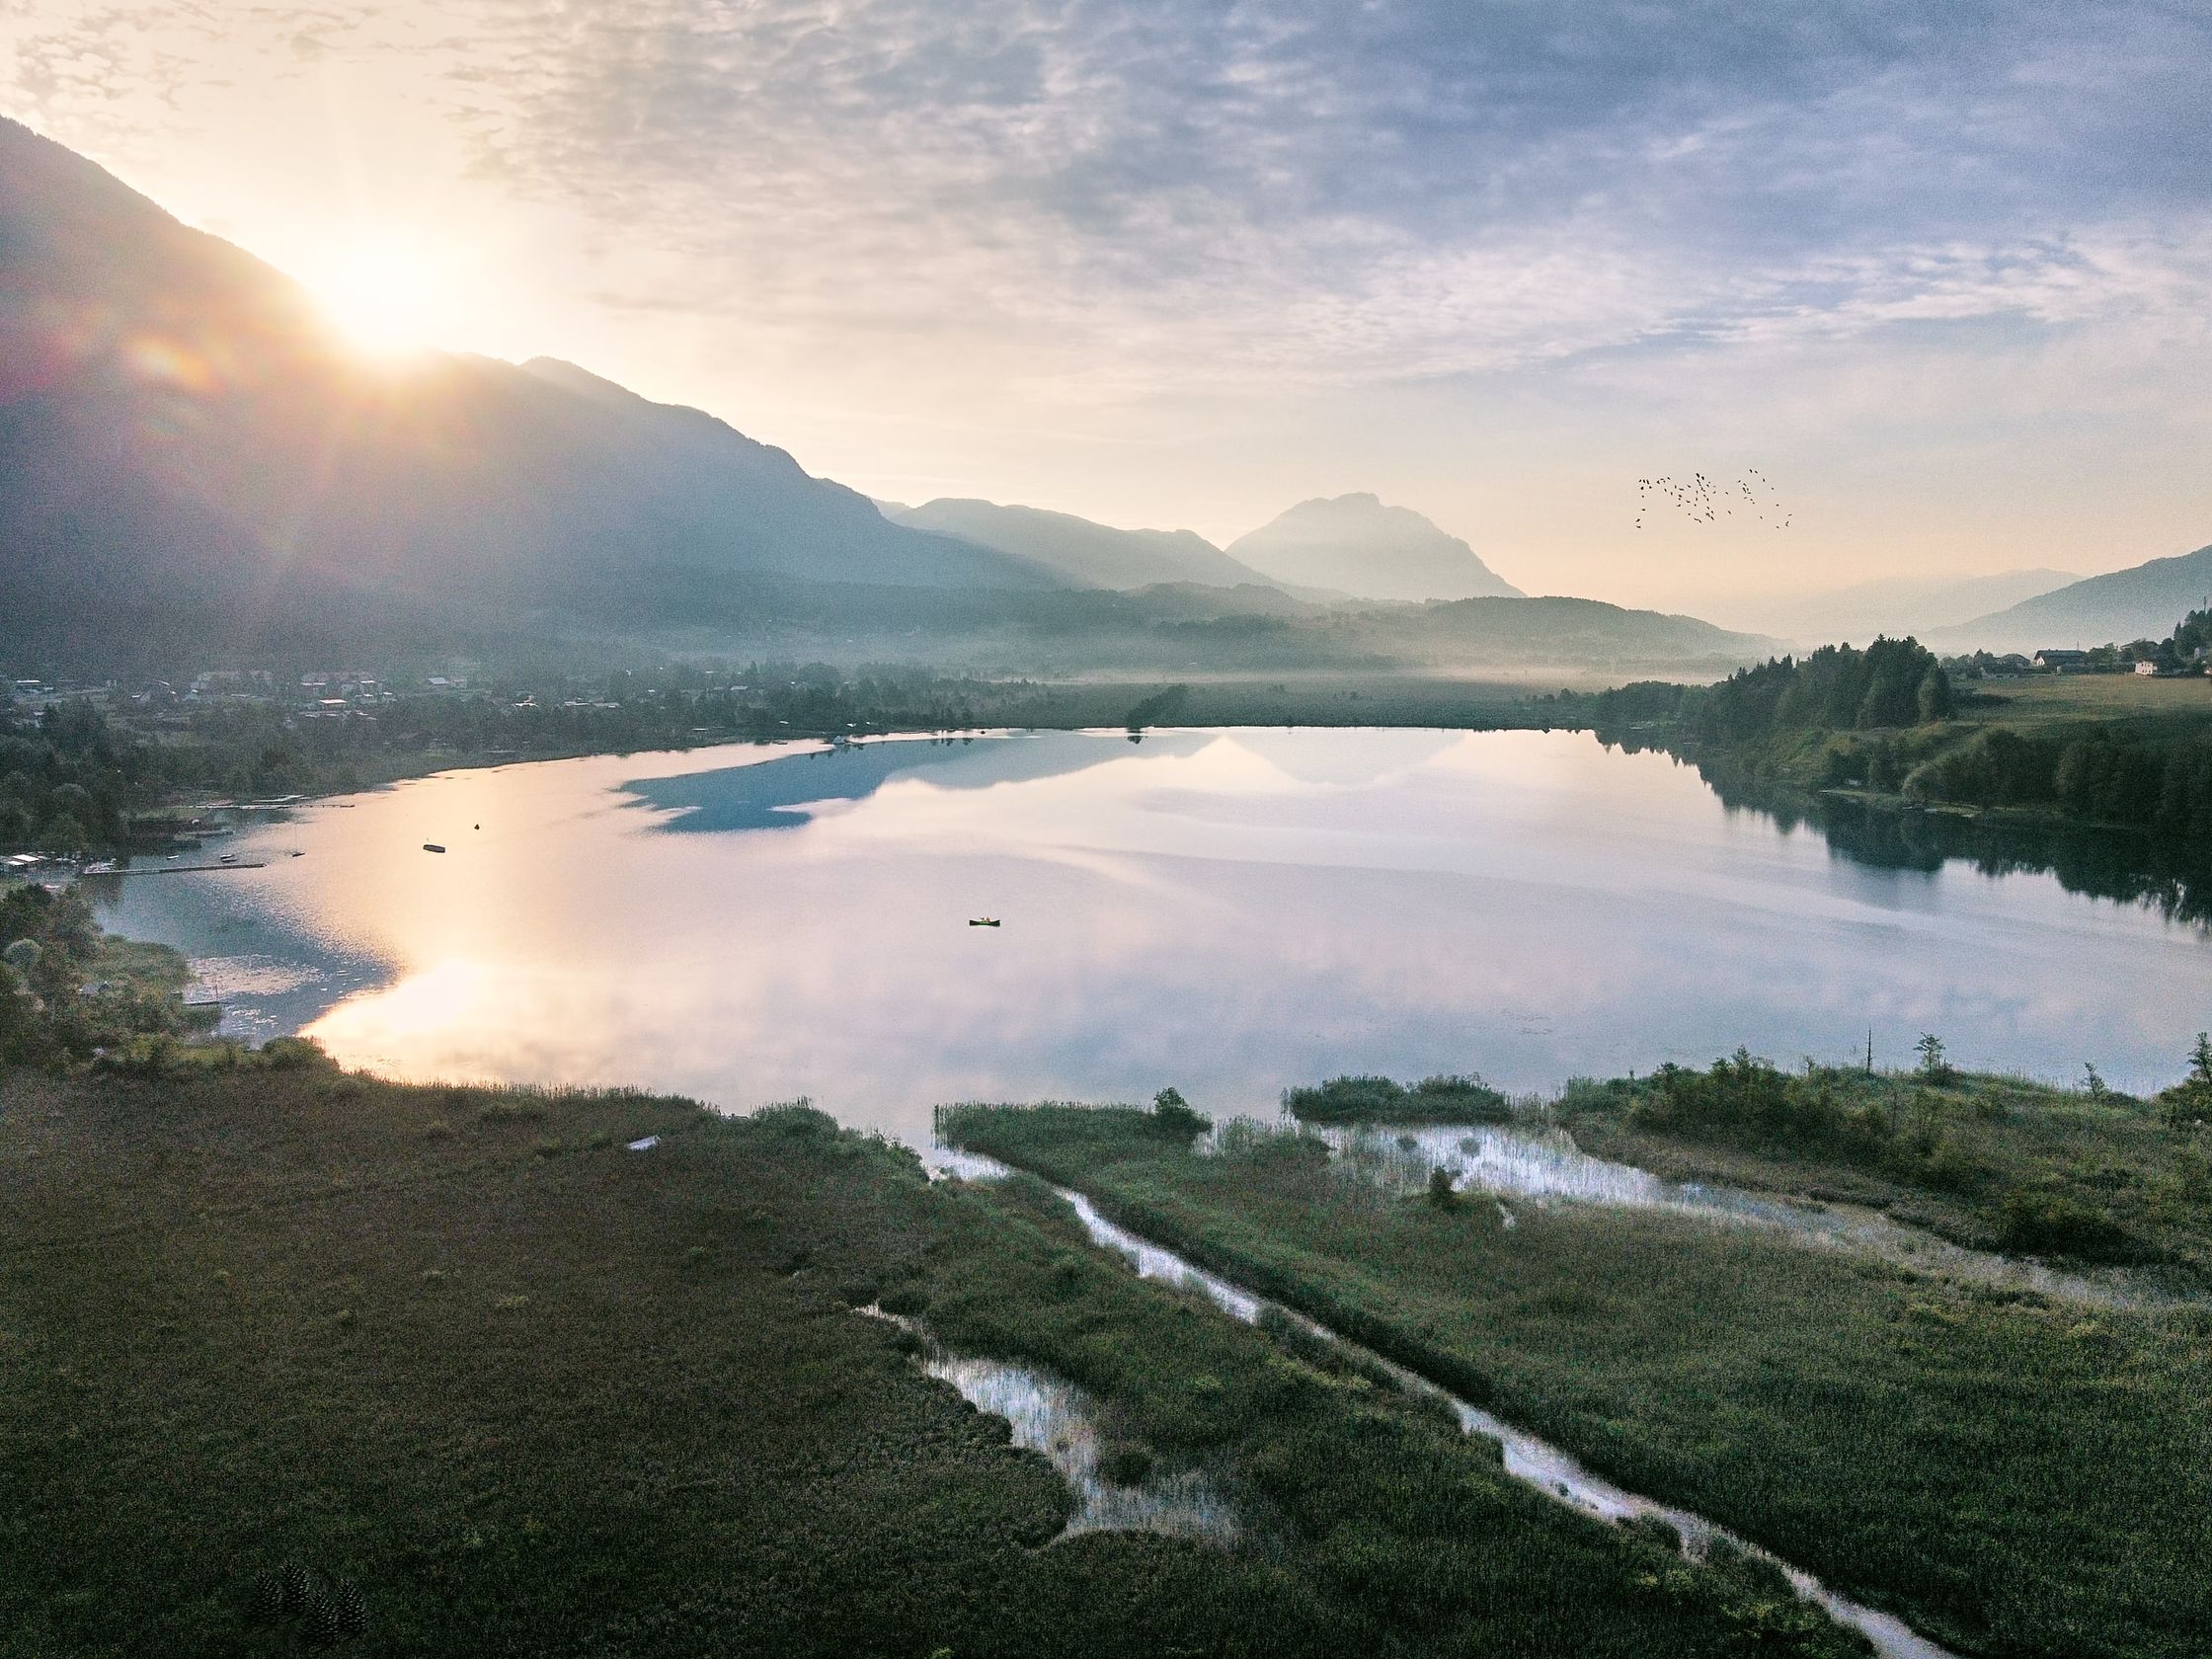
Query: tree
{"points": [[1934, 697], [1933, 1065], [63, 835], [2092, 1082], [1173, 1117], [2189, 1101]]}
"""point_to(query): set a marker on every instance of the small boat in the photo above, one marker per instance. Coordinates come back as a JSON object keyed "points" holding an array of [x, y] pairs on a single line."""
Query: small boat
{"points": [[228, 858], [432, 847], [983, 921]]}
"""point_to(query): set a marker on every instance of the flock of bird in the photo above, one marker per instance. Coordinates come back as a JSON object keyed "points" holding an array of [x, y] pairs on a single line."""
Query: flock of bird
{"points": [[1704, 502]]}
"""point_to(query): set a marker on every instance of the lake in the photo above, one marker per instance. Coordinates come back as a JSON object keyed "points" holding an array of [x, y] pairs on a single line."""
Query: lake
{"points": [[1227, 911]]}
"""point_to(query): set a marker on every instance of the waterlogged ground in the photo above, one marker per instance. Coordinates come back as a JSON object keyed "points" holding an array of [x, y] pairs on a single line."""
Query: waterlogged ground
{"points": [[1057, 1420], [1544, 1166], [1524, 1456], [1228, 911]]}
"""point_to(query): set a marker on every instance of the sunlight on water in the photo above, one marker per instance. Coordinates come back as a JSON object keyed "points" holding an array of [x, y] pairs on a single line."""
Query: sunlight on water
{"points": [[1226, 911]]}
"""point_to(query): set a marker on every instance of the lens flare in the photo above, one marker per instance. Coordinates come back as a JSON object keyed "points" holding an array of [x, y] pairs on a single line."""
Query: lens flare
{"points": [[388, 297]]}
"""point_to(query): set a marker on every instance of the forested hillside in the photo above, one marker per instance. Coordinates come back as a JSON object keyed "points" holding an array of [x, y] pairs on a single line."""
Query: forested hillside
{"points": [[2127, 751]]}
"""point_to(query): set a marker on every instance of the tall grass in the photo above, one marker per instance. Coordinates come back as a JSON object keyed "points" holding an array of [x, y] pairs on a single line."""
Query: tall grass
{"points": [[1961, 1455], [272, 1336]]}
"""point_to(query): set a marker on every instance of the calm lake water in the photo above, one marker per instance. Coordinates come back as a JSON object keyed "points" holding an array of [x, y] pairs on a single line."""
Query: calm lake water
{"points": [[1226, 911]]}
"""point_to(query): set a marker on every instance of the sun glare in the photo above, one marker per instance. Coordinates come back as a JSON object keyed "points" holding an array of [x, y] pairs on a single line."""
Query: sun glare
{"points": [[387, 298]]}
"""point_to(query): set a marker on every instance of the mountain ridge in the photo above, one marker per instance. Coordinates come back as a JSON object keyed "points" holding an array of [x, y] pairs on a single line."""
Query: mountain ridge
{"points": [[1081, 549], [1890, 605], [181, 422], [195, 471], [2146, 600], [1357, 544]]}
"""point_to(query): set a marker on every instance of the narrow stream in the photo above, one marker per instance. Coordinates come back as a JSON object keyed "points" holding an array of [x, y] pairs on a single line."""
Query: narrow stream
{"points": [[1540, 1464], [1052, 1416]]}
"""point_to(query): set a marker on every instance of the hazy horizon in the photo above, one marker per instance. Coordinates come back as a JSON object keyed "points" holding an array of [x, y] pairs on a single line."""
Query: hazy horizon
{"points": [[1942, 275]]}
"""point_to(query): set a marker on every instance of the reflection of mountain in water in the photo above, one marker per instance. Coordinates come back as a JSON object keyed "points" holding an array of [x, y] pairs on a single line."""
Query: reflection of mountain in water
{"points": [[2130, 866], [767, 795]]}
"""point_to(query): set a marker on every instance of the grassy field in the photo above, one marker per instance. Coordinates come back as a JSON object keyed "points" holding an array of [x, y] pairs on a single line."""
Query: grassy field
{"points": [[2017, 1477], [2092, 697], [272, 1339], [1996, 1164]]}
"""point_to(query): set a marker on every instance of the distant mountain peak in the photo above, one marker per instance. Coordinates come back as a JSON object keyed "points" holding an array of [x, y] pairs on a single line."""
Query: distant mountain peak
{"points": [[278, 485], [1080, 549], [2142, 601], [1359, 544]]}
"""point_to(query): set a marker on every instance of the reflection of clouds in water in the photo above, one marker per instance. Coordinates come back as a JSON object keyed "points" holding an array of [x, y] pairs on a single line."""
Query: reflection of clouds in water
{"points": [[1228, 912]]}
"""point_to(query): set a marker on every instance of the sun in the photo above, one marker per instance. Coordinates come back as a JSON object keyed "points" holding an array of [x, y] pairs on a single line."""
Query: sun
{"points": [[387, 296]]}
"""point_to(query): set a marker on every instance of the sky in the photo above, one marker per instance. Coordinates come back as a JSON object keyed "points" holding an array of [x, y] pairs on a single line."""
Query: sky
{"points": [[1939, 270]]}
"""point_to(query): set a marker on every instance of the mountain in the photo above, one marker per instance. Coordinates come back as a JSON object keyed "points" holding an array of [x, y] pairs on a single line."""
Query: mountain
{"points": [[1589, 632], [2143, 602], [196, 472], [183, 439], [1357, 545], [1088, 554], [1896, 606]]}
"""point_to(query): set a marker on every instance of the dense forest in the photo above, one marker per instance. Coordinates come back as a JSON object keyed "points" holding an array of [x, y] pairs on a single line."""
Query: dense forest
{"points": [[1837, 689], [1889, 720]]}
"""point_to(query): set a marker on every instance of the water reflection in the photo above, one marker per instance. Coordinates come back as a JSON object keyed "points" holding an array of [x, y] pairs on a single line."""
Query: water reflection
{"points": [[2170, 876], [787, 796], [1550, 1468], [1545, 1163], [1226, 911]]}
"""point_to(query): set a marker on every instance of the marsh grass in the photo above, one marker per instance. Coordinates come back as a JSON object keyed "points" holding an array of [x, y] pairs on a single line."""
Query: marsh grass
{"points": [[263, 1331], [1991, 1161], [2010, 1475]]}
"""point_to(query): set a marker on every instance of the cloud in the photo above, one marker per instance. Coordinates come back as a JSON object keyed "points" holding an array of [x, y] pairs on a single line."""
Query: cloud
{"points": [[1304, 191], [1315, 191], [991, 243]]}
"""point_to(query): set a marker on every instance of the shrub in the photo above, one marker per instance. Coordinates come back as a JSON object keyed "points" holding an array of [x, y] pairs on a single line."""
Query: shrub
{"points": [[1370, 1099], [1174, 1118], [2189, 1102], [2036, 1221], [1127, 1467], [293, 1054], [799, 1120]]}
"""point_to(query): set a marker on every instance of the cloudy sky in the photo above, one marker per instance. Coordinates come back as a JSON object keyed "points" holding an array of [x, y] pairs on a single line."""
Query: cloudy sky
{"points": [[1941, 270]]}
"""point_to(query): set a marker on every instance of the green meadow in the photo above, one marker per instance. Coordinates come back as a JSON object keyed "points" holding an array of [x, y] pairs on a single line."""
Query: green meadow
{"points": [[2015, 1475], [295, 1360]]}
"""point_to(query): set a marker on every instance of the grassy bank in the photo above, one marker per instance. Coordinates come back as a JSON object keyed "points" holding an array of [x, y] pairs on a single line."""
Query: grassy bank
{"points": [[2104, 751], [2014, 1477], [469, 1377], [1996, 1163]]}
